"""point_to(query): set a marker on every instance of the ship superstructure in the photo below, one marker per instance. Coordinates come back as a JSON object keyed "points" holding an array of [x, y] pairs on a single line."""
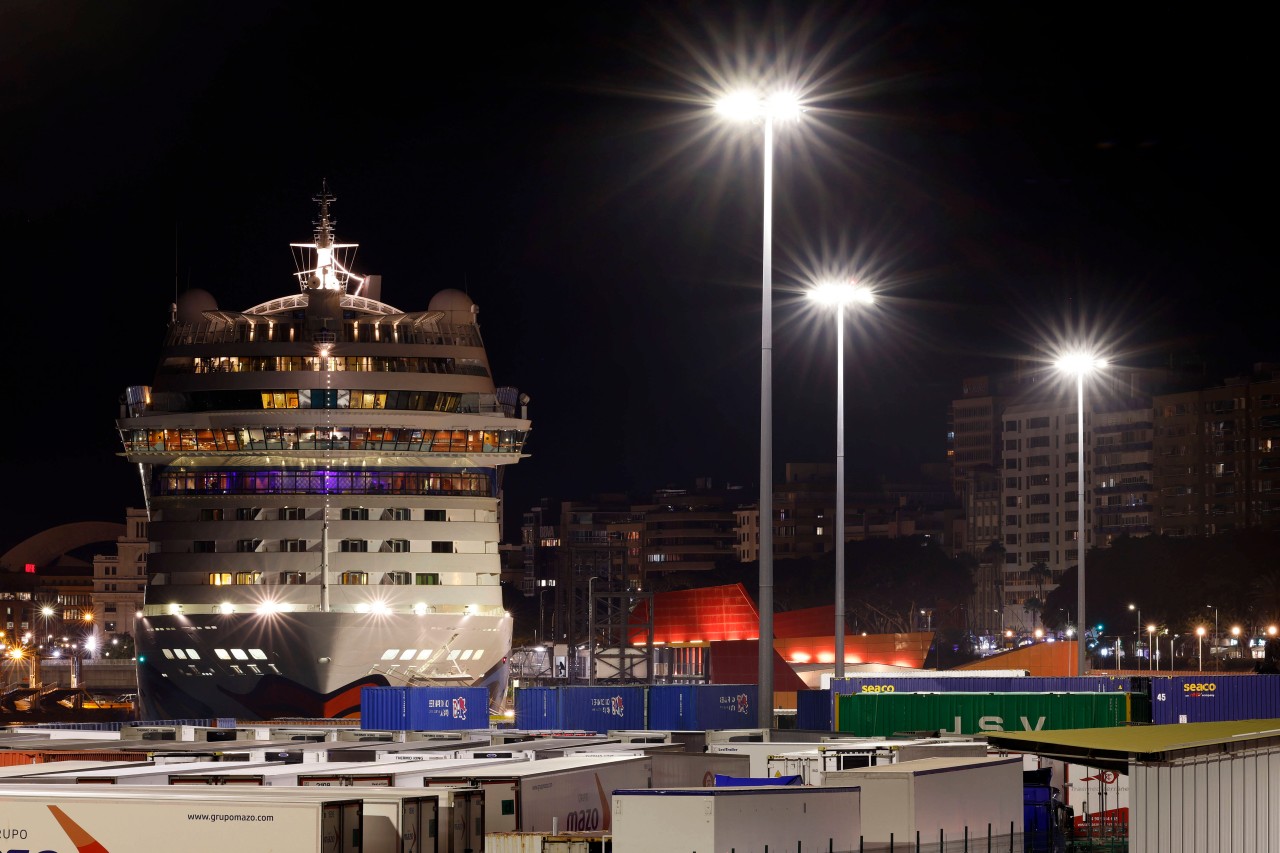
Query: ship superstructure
{"points": [[323, 475]]}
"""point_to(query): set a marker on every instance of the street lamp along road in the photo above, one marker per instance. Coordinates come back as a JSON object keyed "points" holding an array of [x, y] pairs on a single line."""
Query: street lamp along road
{"points": [[780, 106], [838, 295], [1080, 364]]}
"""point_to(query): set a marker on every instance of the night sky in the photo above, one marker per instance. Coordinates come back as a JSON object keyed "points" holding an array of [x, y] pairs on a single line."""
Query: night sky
{"points": [[1004, 176]]}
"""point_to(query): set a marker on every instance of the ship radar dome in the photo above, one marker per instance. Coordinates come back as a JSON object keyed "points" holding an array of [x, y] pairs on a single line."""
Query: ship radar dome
{"points": [[457, 306], [193, 303]]}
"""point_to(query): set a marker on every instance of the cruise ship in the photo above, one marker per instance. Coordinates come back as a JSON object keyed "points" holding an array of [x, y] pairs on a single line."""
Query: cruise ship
{"points": [[323, 478]]}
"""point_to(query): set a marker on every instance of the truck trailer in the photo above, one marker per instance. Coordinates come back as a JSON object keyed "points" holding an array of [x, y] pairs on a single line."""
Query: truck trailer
{"points": [[569, 794], [70, 817]]}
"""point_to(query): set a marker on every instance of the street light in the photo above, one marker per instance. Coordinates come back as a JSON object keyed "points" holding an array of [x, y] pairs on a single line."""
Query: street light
{"points": [[1137, 635], [1079, 364], [1151, 656], [777, 107], [1235, 634], [1200, 646], [840, 294]]}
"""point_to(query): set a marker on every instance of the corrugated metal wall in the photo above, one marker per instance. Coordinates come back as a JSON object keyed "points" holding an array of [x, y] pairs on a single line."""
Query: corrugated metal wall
{"points": [[1218, 798], [885, 714]]}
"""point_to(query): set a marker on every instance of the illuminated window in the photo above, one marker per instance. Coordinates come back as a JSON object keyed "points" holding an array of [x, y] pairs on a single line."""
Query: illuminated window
{"points": [[239, 654], [222, 654], [426, 579], [220, 578]]}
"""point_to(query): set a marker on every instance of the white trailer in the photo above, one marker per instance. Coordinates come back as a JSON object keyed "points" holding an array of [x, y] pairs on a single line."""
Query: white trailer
{"points": [[400, 820], [326, 774], [746, 819], [937, 797], [15, 771], [758, 751], [571, 794], [811, 764], [68, 817], [141, 774]]}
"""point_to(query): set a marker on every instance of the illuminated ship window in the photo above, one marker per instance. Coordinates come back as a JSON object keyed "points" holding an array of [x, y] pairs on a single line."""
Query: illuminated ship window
{"points": [[390, 654], [248, 577], [191, 653], [220, 578], [237, 670], [453, 654], [408, 654], [222, 654], [239, 654], [257, 654], [349, 578], [168, 653], [477, 655], [426, 579], [424, 654], [179, 654], [435, 657], [466, 655]]}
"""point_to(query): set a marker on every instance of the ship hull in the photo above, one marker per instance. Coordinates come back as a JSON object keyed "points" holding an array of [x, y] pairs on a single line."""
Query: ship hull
{"points": [[251, 666]]}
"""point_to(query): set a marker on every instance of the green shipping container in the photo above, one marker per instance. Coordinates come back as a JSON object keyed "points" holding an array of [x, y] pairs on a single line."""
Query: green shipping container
{"points": [[884, 714]]}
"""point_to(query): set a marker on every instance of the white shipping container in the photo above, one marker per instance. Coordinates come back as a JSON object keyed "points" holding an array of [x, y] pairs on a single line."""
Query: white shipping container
{"points": [[937, 794], [745, 820], [140, 822], [758, 751]]}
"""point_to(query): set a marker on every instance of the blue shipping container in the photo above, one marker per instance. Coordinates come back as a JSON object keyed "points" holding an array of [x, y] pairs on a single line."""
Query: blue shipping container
{"points": [[445, 708], [383, 708], [813, 710], [599, 709], [1214, 697], [697, 707], [537, 708], [725, 706]]}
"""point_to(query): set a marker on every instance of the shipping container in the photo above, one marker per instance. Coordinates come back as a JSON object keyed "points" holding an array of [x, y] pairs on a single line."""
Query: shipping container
{"points": [[782, 818], [702, 706], [538, 708], [442, 708], [551, 793], [945, 799], [886, 714], [1212, 697], [813, 710], [383, 708], [598, 709], [142, 822]]}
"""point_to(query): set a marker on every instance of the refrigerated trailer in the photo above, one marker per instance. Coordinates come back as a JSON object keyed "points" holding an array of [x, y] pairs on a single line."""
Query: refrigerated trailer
{"points": [[148, 774], [811, 764], [328, 774], [569, 794], [66, 818], [399, 820]]}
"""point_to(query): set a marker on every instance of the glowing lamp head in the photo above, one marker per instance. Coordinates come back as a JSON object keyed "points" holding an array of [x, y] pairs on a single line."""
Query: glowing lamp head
{"points": [[226, 607], [1080, 363], [746, 105], [842, 293], [1199, 632], [1151, 629]]}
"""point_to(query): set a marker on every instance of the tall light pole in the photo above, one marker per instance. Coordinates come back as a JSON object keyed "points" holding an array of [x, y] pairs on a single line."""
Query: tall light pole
{"points": [[1080, 364], [780, 106], [1151, 653], [1216, 642], [1200, 647], [1137, 635], [840, 294]]}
